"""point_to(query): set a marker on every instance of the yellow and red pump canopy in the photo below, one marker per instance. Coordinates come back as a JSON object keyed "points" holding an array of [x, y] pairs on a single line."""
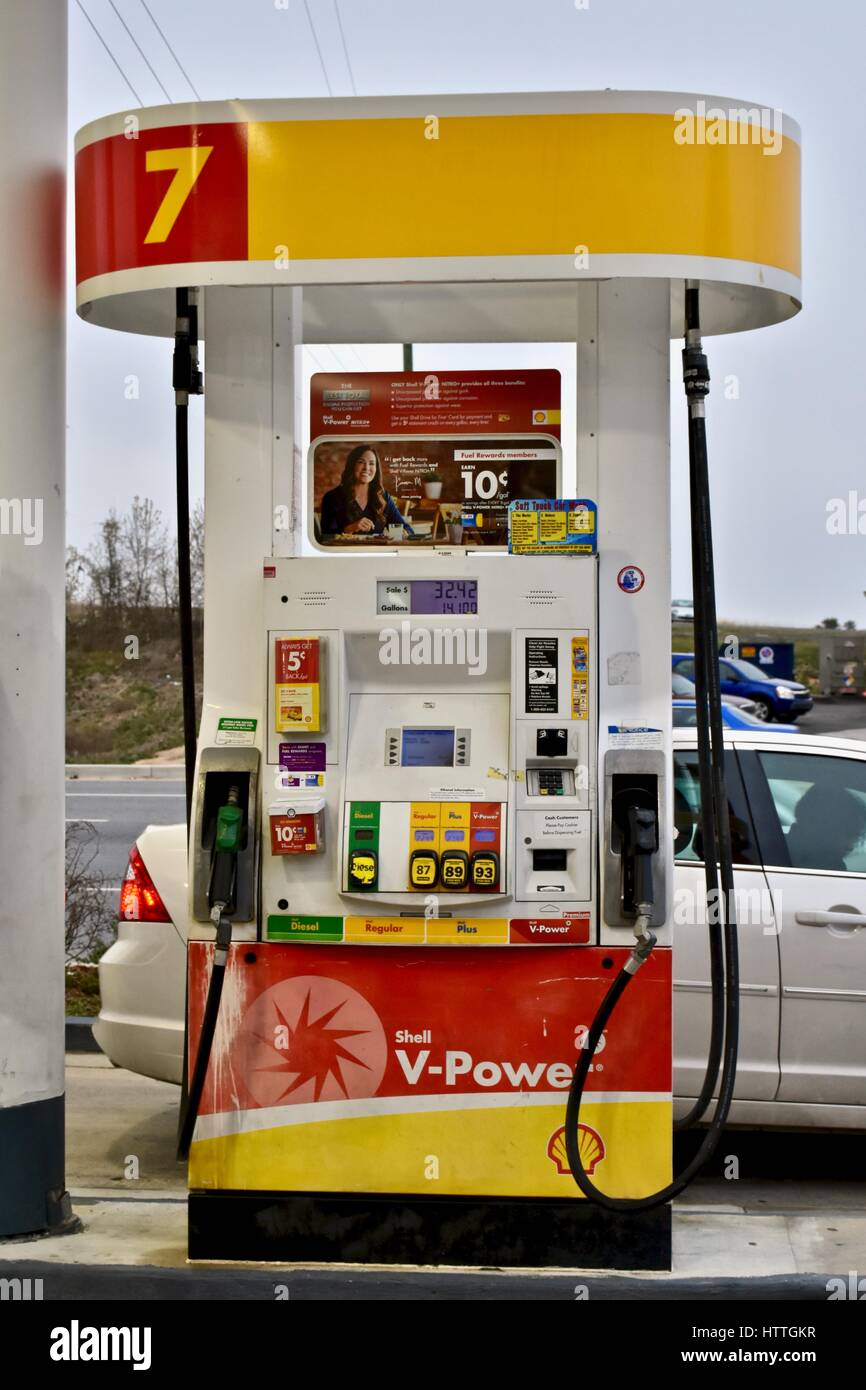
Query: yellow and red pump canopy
{"points": [[440, 217]]}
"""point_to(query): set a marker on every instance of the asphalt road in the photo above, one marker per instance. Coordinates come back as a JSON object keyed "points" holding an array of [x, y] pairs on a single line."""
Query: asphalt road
{"points": [[835, 718], [118, 811]]}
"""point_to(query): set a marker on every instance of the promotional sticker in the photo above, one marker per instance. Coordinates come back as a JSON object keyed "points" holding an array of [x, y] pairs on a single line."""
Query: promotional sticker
{"points": [[560, 526], [302, 764], [296, 680], [236, 733], [580, 677]]}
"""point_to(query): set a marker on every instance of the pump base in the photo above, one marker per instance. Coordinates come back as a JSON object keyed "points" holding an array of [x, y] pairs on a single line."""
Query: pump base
{"points": [[328, 1227]]}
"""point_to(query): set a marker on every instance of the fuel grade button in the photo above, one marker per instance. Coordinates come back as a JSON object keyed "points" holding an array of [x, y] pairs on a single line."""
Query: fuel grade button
{"points": [[484, 870], [423, 868], [454, 869], [362, 869]]}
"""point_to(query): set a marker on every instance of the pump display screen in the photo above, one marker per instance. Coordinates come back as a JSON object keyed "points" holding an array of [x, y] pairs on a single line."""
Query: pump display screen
{"points": [[441, 597], [427, 748]]}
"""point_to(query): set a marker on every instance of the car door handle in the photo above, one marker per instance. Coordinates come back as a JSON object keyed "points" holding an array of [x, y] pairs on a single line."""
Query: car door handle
{"points": [[831, 919]]}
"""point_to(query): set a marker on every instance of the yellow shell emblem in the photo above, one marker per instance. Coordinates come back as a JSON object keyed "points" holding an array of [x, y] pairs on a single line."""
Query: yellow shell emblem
{"points": [[590, 1147]]}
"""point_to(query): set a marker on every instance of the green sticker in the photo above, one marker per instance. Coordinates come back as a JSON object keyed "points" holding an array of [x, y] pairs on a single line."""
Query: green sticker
{"points": [[237, 733], [284, 927]]}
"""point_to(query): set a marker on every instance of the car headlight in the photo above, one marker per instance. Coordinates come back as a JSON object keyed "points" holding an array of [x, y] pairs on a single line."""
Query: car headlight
{"points": [[784, 693]]}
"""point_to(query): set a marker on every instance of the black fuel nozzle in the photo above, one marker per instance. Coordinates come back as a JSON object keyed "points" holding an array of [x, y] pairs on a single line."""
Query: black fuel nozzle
{"points": [[640, 843]]}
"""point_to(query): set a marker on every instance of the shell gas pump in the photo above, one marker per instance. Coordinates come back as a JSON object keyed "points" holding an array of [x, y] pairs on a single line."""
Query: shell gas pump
{"points": [[431, 833]]}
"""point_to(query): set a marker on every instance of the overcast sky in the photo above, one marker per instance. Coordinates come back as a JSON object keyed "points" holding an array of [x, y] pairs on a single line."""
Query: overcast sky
{"points": [[778, 455]]}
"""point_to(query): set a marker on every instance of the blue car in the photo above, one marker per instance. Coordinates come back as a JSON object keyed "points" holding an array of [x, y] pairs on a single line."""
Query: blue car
{"points": [[686, 717], [774, 698]]}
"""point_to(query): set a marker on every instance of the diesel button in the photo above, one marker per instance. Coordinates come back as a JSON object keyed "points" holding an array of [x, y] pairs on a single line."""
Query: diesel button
{"points": [[363, 868]]}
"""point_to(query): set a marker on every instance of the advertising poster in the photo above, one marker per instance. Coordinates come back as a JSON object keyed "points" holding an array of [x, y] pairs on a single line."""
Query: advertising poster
{"points": [[422, 458], [343, 1069]]}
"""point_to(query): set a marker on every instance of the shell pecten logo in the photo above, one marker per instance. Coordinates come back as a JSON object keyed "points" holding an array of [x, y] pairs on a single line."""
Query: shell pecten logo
{"points": [[590, 1147]]}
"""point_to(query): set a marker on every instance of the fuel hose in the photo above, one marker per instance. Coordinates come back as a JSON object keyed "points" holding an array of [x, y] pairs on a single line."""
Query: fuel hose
{"points": [[715, 832]]}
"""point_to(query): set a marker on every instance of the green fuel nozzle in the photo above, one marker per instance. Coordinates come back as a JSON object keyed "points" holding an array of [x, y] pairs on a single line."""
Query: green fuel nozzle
{"points": [[229, 825], [228, 839]]}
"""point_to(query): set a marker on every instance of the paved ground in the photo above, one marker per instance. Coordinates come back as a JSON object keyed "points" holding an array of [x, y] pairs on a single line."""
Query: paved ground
{"points": [[809, 1218], [119, 809], [843, 718]]}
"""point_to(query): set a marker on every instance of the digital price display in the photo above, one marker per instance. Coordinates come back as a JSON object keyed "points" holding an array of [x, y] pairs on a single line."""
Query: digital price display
{"points": [[427, 748], [437, 597]]}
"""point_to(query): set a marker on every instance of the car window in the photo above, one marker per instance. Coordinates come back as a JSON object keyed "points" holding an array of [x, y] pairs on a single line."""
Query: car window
{"points": [[820, 803], [688, 844], [682, 686], [728, 673], [686, 668], [684, 718]]}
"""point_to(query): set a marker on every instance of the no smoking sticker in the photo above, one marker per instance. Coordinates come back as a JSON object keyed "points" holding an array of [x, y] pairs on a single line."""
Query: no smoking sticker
{"points": [[631, 579]]}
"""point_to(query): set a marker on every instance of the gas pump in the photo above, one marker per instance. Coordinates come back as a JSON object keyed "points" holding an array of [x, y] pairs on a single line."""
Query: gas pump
{"points": [[430, 862]]}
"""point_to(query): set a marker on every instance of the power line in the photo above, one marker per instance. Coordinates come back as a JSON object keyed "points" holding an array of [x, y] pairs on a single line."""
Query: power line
{"points": [[140, 49], [318, 49], [345, 47], [109, 52], [170, 49]]}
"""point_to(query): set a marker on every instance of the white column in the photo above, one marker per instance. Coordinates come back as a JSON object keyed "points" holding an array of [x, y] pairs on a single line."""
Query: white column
{"points": [[632, 408], [32, 443]]}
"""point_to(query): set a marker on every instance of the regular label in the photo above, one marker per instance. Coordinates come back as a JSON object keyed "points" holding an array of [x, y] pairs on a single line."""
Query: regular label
{"points": [[542, 674]]}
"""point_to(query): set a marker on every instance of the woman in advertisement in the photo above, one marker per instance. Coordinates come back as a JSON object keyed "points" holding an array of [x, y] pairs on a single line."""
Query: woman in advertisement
{"points": [[359, 504]]}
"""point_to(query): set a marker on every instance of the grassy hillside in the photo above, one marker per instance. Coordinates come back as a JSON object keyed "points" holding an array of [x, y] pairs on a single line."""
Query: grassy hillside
{"points": [[123, 697]]}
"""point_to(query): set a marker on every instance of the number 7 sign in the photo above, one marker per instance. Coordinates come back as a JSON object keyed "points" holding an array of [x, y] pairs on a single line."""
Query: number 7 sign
{"points": [[175, 194], [187, 164]]}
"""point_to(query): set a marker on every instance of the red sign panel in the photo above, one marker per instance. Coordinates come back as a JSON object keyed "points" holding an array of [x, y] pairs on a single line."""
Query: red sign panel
{"points": [[324, 1025], [572, 928], [439, 403], [156, 197]]}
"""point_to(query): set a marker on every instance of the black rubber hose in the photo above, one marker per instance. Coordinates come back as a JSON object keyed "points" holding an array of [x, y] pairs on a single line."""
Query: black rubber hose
{"points": [[710, 739], [705, 658], [206, 1037]]}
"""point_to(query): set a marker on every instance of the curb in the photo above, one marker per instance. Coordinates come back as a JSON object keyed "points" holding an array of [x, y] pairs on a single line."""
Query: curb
{"points": [[79, 1035], [79, 1282], [126, 771]]}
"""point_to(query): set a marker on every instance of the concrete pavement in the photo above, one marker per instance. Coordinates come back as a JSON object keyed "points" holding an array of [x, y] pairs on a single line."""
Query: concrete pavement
{"points": [[129, 1193]]}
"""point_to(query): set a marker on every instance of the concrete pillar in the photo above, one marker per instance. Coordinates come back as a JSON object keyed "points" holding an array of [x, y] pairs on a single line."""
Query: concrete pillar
{"points": [[32, 442]]}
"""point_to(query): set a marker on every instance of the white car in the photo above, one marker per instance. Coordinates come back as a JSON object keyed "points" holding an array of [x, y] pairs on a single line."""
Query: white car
{"points": [[798, 816]]}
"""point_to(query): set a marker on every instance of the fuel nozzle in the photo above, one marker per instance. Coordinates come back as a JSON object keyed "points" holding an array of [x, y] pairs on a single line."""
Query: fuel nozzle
{"points": [[228, 841], [641, 842], [637, 826]]}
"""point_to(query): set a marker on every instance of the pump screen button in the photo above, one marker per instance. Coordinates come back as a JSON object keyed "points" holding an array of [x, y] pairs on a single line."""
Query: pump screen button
{"points": [[423, 868], [454, 869]]}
